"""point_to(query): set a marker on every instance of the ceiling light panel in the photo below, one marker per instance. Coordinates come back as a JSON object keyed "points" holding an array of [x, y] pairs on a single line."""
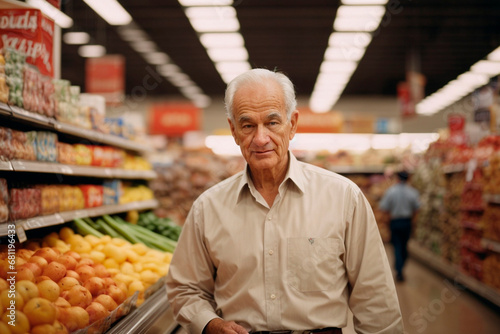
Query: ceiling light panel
{"points": [[344, 53], [494, 55], [60, 18], [228, 54], [491, 68], [111, 11], [91, 51], [346, 39], [76, 38], [190, 3], [228, 39], [365, 2]]}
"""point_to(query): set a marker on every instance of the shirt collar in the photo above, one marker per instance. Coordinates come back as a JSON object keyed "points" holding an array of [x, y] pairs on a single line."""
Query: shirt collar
{"points": [[294, 174]]}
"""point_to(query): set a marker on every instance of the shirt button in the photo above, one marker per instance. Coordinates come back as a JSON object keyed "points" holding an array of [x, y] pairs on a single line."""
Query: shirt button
{"points": [[269, 218], [271, 252], [273, 296]]}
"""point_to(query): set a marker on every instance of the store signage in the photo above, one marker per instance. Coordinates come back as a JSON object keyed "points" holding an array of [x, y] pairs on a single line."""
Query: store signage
{"points": [[174, 119], [31, 33], [310, 122], [106, 76], [55, 3], [456, 125]]}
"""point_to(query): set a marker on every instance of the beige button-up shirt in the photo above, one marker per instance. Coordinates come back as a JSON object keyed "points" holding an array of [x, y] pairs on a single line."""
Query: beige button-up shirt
{"points": [[299, 264]]}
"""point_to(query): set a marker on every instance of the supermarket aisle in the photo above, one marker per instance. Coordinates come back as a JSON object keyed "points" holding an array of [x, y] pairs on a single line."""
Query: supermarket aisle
{"points": [[433, 304]]}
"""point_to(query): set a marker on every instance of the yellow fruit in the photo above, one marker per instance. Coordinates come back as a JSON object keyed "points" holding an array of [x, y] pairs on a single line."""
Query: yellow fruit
{"points": [[135, 286], [21, 322], [97, 256], [149, 277], [40, 311], [167, 257], [140, 249], [4, 328], [119, 242], [127, 279], [114, 252], [51, 239], [132, 256], [132, 216], [110, 263], [92, 240], [65, 233], [27, 289], [81, 247], [62, 246], [127, 268]]}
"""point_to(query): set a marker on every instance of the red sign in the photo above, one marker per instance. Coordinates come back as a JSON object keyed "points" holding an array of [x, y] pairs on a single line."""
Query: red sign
{"points": [[456, 125], [174, 119], [106, 76], [310, 122], [55, 3], [31, 33]]}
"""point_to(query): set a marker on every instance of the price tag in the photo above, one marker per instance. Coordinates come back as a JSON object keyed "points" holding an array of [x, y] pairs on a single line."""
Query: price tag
{"points": [[21, 235], [65, 169]]}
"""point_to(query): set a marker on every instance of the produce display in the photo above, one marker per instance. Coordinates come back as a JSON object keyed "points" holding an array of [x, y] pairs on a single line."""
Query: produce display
{"points": [[491, 268], [15, 63], [4, 89], [164, 226], [67, 281], [491, 222]]}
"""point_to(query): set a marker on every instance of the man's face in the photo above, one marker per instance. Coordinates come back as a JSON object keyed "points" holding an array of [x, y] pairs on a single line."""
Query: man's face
{"points": [[261, 127]]}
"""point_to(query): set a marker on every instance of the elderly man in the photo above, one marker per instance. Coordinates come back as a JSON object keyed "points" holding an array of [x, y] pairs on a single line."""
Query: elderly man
{"points": [[282, 245]]}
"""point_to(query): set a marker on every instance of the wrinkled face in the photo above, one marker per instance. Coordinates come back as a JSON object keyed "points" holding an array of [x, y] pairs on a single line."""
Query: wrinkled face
{"points": [[261, 127]]}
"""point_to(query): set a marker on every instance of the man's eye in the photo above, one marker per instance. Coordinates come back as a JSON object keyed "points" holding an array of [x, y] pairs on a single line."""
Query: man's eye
{"points": [[273, 123], [246, 126]]}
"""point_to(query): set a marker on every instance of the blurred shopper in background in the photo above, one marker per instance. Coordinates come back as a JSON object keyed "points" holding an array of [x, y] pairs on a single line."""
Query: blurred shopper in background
{"points": [[282, 245], [401, 201]]}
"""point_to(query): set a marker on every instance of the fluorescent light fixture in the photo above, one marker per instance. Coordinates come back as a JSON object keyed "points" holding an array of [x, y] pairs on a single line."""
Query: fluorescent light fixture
{"points": [[491, 68], [132, 34], [365, 12], [228, 77], [344, 53], [220, 13], [364, 2], [215, 25], [189, 3], [202, 101], [91, 51], [332, 78], [111, 11], [225, 40], [338, 66], [143, 46], [61, 19], [347, 39], [474, 79], [191, 90], [355, 24], [156, 58], [168, 69], [76, 38], [494, 55], [233, 67], [228, 54]]}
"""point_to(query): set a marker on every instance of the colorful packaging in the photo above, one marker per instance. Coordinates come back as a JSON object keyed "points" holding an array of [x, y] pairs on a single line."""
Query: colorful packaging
{"points": [[50, 199], [6, 148], [92, 195], [113, 190], [24, 145], [30, 32], [25, 203], [66, 154], [115, 125], [83, 154], [48, 102], [46, 146], [32, 90], [14, 69]]}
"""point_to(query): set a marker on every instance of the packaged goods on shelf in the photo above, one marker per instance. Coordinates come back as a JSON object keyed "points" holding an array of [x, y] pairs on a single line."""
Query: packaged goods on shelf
{"points": [[93, 195], [6, 149], [46, 146], [66, 154], [95, 106], [491, 173], [50, 199], [24, 203], [4, 201], [4, 89], [112, 192], [491, 268], [70, 198], [14, 69], [491, 222], [83, 154], [24, 145], [135, 193]]}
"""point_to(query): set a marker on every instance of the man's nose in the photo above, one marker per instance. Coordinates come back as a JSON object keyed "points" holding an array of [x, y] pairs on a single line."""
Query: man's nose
{"points": [[261, 135]]}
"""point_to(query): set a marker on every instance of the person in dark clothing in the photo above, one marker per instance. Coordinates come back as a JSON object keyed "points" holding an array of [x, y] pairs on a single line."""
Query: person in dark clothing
{"points": [[401, 201]]}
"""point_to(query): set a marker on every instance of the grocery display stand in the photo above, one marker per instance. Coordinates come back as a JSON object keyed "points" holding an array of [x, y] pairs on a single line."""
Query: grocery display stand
{"points": [[453, 271], [156, 307]]}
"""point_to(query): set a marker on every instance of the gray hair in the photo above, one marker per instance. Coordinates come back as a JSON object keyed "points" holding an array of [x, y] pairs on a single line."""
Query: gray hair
{"points": [[258, 75]]}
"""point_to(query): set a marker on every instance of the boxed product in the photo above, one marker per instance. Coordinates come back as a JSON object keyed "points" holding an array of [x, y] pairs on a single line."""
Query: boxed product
{"points": [[4, 89], [95, 106], [25, 203], [102, 156], [50, 199], [113, 190], [83, 154], [4, 201], [46, 146], [48, 102], [66, 154], [92, 195], [30, 32], [70, 198], [115, 125], [62, 100]]}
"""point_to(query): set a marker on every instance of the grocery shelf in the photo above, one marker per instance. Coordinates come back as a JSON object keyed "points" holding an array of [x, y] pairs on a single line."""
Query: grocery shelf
{"points": [[453, 272], [358, 169], [491, 245], [85, 134], [492, 198], [93, 171], [62, 217], [5, 165], [142, 319]]}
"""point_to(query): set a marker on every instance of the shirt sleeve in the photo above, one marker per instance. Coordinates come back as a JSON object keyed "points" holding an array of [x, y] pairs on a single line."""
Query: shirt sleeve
{"points": [[190, 279], [373, 299]]}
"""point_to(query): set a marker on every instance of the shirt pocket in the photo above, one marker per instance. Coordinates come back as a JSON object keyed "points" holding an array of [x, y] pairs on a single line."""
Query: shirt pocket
{"points": [[311, 263]]}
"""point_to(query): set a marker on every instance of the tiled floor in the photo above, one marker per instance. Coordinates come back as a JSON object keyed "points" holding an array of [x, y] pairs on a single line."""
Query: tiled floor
{"points": [[433, 304]]}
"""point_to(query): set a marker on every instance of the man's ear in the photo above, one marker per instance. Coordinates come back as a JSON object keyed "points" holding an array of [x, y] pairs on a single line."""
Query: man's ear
{"points": [[233, 132], [294, 121]]}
